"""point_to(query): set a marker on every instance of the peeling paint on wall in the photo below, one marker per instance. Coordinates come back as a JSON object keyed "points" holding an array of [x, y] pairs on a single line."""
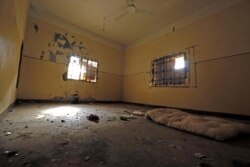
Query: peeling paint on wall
{"points": [[64, 76], [61, 47], [52, 56], [62, 41]]}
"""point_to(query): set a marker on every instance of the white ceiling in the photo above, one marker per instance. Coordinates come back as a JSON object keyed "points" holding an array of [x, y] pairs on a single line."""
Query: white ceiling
{"points": [[89, 16]]}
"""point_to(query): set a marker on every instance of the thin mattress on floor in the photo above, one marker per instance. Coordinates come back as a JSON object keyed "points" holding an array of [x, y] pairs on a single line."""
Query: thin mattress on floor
{"points": [[212, 127]]}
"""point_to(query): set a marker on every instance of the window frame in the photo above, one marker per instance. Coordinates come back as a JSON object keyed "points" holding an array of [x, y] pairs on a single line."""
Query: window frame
{"points": [[185, 70]]}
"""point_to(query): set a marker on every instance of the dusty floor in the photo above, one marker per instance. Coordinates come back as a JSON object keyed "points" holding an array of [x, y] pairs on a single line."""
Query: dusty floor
{"points": [[60, 135]]}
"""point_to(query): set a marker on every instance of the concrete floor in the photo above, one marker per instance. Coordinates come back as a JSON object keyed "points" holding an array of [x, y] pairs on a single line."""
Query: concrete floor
{"points": [[42, 139]]}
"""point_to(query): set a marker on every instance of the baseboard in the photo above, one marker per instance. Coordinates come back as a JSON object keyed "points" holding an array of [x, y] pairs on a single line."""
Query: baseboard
{"points": [[19, 101], [8, 109]]}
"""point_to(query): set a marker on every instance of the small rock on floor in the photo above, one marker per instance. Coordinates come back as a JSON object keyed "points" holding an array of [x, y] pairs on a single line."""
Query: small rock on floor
{"points": [[93, 118], [138, 113], [87, 158], [200, 155], [10, 153]]}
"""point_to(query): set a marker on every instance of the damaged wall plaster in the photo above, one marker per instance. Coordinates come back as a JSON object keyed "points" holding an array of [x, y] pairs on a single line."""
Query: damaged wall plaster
{"points": [[45, 60], [62, 45]]}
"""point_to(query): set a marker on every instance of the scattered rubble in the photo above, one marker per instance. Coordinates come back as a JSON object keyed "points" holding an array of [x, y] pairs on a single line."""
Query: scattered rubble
{"points": [[126, 117], [200, 155], [138, 113], [55, 159], [10, 153], [65, 142], [8, 133], [87, 158], [127, 112], [93, 118], [160, 141], [111, 119], [173, 146], [26, 127]]}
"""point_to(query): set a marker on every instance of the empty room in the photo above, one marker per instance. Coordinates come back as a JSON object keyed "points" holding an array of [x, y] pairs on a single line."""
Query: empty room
{"points": [[124, 83]]}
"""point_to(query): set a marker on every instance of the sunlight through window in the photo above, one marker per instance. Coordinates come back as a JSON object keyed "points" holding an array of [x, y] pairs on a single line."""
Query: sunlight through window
{"points": [[179, 63], [82, 69], [74, 68]]}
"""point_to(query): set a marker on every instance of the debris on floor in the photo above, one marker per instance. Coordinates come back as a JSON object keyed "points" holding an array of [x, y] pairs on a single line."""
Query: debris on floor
{"points": [[138, 113], [93, 118], [26, 127], [126, 112], [87, 158], [64, 143], [173, 146], [62, 121], [8, 133], [200, 155], [10, 153], [126, 117], [13, 110], [111, 119], [55, 159], [84, 143]]}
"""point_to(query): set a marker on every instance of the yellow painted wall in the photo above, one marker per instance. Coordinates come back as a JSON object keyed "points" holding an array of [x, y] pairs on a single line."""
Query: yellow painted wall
{"points": [[13, 20], [222, 62], [42, 79]]}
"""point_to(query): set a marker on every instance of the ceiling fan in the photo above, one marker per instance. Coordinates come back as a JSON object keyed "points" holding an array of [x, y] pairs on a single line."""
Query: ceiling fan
{"points": [[132, 8]]}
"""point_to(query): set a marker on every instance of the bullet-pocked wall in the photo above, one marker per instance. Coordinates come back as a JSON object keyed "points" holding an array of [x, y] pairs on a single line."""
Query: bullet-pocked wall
{"points": [[47, 49], [222, 62], [13, 14]]}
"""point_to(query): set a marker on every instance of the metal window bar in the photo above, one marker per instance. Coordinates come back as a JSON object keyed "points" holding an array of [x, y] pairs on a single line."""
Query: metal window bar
{"points": [[164, 74]]}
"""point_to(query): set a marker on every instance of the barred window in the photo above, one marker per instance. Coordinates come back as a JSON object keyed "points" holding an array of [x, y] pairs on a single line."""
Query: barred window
{"points": [[170, 70], [82, 69]]}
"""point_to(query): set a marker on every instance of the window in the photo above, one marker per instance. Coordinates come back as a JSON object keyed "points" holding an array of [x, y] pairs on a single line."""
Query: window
{"points": [[82, 69], [170, 70]]}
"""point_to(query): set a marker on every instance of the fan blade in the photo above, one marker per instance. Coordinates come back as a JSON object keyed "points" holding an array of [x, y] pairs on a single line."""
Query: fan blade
{"points": [[144, 11], [122, 15]]}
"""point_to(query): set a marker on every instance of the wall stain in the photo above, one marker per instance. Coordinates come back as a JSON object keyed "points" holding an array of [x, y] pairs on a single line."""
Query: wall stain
{"points": [[36, 27], [42, 55]]}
